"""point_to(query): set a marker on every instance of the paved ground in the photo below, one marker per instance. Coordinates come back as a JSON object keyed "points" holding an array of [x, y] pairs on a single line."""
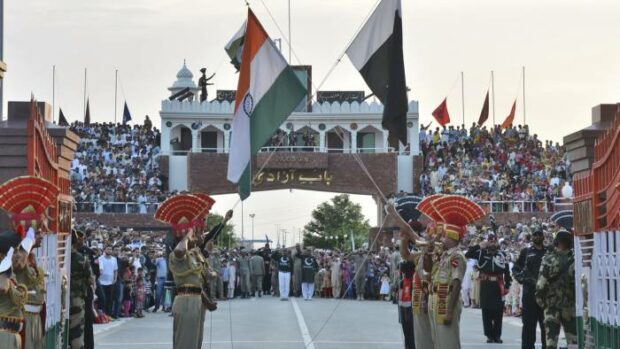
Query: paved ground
{"points": [[270, 323]]}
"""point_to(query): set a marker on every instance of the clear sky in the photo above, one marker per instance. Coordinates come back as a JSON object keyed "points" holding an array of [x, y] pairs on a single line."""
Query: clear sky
{"points": [[569, 49]]}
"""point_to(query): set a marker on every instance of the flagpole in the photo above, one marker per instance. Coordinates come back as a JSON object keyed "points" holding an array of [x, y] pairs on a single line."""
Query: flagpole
{"points": [[85, 71], [463, 96], [290, 42], [115, 93], [493, 92], [523, 95], [53, 92]]}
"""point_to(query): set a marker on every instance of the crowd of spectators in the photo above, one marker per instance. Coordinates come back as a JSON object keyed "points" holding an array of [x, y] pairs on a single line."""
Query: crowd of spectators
{"points": [[493, 165], [117, 163]]}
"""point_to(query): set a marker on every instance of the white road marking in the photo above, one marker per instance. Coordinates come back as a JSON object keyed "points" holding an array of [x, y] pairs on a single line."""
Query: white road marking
{"points": [[305, 333]]}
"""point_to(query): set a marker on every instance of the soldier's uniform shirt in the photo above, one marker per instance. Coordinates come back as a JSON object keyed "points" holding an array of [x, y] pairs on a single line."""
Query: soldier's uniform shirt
{"points": [[33, 278], [284, 263], [11, 310], [309, 267], [81, 276], [493, 265], [451, 266], [555, 293], [188, 311]]}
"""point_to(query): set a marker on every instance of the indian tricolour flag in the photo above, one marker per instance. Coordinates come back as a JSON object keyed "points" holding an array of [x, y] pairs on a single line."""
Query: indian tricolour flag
{"points": [[267, 93]]}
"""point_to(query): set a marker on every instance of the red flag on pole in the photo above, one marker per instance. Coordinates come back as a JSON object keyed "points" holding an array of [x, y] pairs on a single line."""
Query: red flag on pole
{"points": [[484, 114], [510, 118], [441, 113]]}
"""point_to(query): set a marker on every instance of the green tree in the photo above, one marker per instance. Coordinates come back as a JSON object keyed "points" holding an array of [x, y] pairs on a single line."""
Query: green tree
{"points": [[226, 238], [333, 222]]}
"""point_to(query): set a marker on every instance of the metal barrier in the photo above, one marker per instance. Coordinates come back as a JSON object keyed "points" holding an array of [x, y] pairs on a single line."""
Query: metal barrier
{"points": [[517, 206], [117, 207]]}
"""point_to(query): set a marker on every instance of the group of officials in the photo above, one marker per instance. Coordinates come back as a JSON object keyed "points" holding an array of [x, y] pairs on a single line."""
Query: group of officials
{"points": [[432, 274], [22, 290]]}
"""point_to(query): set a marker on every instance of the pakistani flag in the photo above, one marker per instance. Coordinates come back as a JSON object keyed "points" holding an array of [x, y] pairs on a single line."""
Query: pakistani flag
{"points": [[377, 52], [234, 47], [267, 93]]}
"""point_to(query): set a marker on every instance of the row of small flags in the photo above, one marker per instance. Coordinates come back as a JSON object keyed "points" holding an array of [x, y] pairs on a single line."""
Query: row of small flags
{"points": [[62, 120], [442, 115]]}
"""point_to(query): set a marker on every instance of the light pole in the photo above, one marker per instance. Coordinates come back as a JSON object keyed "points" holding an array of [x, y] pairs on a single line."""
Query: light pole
{"points": [[252, 215]]}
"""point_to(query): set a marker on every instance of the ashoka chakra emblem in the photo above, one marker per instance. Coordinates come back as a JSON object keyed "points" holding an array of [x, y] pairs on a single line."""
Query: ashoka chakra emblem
{"points": [[248, 104]]}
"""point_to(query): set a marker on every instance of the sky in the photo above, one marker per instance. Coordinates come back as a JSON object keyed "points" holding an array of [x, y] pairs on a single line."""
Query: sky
{"points": [[568, 49]]}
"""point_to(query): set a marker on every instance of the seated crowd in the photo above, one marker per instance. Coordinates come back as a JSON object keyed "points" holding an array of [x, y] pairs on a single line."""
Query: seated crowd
{"points": [[493, 165]]}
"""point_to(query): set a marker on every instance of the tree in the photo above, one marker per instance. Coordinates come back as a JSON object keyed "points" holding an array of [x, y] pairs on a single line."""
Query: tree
{"points": [[333, 222], [226, 238]]}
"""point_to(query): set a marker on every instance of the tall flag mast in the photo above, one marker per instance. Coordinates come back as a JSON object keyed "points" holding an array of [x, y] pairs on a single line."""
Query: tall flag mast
{"points": [[377, 53]]}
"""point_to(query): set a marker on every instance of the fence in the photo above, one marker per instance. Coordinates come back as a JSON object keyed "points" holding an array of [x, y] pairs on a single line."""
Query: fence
{"points": [[116, 207]]}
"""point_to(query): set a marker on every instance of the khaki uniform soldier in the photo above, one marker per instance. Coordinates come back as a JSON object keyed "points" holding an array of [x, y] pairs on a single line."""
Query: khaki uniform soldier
{"points": [[555, 291], [187, 267], [244, 275], [257, 272], [296, 275], [81, 279], [361, 269], [451, 213], [33, 277], [12, 295], [216, 265]]}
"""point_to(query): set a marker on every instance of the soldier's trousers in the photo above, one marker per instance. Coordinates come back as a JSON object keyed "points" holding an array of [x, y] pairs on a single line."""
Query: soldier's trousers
{"points": [[492, 322], [10, 340], [532, 316], [188, 323], [257, 283], [422, 331], [556, 318], [244, 281], [275, 284], [445, 336], [360, 282], [33, 338], [76, 323]]}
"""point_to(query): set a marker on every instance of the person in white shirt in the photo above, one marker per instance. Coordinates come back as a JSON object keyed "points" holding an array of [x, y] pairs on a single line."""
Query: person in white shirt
{"points": [[108, 272]]}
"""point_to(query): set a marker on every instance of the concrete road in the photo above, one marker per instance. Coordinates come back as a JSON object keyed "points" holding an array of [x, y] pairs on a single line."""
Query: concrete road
{"points": [[270, 323]]}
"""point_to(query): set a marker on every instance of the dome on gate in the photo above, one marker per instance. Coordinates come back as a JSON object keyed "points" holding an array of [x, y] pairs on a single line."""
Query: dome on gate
{"points": [[185, 78]]}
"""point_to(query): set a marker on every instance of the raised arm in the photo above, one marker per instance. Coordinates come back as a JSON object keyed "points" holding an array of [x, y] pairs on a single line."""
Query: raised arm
{"points": [[215, 232], [400, 223], [181, 249]]}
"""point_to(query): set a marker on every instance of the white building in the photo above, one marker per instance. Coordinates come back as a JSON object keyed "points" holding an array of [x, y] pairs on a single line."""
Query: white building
{"points": [[339, 127]]}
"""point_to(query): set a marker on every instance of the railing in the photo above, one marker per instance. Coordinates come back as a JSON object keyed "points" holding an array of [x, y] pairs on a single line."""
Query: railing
{"points": [[308, 148], [296, 148], [116, 207], [517, 206]]}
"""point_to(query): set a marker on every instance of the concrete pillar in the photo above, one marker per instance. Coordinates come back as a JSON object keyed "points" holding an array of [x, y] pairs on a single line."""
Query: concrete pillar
{"points": [[226, 141], [386, 145], [196, 141], [380, 210], [322, 141], [353, 142], [165, 140]]}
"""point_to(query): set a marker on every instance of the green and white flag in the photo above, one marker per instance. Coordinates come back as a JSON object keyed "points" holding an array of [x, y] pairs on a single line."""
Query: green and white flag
{"points": [[234, 47], [267, 93]]}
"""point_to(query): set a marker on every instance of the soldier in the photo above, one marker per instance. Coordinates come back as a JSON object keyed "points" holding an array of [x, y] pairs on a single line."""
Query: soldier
{"points": [[296, 274], [257, 272], [555, 291], [12, 295], [216, 265], [244, 274], [89, 314], [275, 285], [81, 279], [266, 254], [405, 315], [452, 213], [27, 273], [525, 271], [422, 264], [494, 284], [187, 265], [361, 269]]}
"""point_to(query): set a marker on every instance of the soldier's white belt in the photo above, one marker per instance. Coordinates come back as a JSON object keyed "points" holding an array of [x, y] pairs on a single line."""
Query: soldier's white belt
{"points": [[31, 308]]}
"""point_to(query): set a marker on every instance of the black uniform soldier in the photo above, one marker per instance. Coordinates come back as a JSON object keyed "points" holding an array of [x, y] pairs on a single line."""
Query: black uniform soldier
{"points": [[89, 315], [525, 271], [494, 282]]}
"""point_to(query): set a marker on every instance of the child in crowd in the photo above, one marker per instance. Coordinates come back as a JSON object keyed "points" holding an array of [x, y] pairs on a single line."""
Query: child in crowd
{"points": [[140, 293], [385, 287]]}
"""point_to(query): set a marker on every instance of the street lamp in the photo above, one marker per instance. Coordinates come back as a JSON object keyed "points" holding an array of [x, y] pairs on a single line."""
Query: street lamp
{"points": [[252, 215]]}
